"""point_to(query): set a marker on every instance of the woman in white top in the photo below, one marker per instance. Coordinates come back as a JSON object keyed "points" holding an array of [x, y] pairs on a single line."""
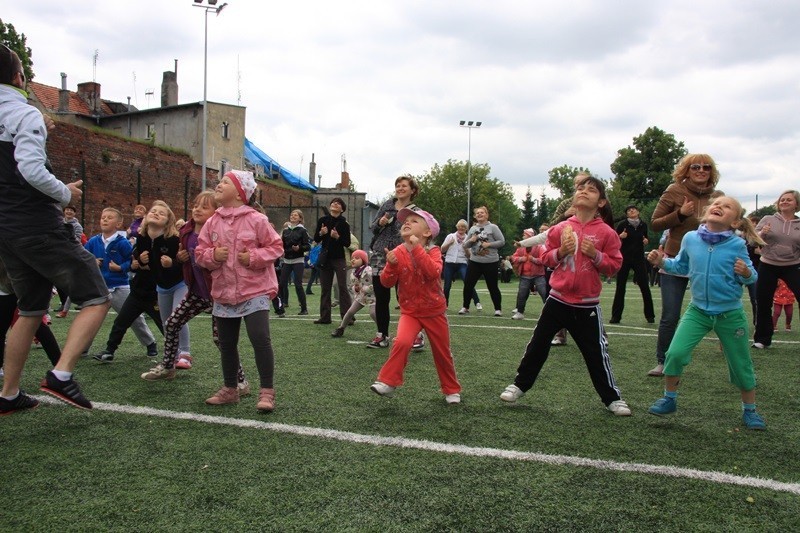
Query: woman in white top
{"points": [[455, 260]]}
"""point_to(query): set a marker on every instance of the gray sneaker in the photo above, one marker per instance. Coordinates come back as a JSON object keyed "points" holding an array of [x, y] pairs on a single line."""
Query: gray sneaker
{"points": [[104, 357]]}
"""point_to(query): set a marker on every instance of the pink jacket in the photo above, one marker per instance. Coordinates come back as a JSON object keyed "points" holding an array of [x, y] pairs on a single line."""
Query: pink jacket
{"points": [[239, 229], [527, 267], [576, 278], [418, 277]]}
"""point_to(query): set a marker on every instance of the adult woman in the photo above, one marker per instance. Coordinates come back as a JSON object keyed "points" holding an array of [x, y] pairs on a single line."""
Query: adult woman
{"points": [[386, 230], [295, 244], [780, 259], [455, 260], [333, 232], [679, 210], [483, 242]]}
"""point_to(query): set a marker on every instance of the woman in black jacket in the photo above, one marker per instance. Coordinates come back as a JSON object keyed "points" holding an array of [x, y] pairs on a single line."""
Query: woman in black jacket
{"points": [[295, 245], [333, 232]]}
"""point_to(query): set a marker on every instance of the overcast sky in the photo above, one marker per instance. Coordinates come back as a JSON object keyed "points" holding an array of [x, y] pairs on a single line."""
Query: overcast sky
{"points": [[385, 83]]}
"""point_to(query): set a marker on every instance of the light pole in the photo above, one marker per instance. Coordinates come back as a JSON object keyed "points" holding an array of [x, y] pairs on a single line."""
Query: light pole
{"points": [[469, 125], [212, 6]]}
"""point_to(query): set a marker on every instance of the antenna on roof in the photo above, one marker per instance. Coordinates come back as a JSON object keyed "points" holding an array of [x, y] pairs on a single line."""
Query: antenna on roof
{"points": [[344, 163], [148, 93], [94, 64], [238, 82], [136, 98]]}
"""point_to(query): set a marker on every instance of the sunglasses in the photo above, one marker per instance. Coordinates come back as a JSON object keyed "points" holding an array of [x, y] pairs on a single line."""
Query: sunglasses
{"points": [[705, 167]]}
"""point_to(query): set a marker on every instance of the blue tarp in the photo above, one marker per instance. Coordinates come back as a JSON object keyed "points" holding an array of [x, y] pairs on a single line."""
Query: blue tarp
{"points": [[257, 157]]}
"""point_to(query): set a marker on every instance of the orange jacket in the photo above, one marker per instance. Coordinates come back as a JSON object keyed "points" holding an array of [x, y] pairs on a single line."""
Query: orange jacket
{"points": [[417, 275]]}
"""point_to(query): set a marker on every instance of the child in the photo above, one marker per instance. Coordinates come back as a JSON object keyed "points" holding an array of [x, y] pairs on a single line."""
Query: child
{"points": [[717, 264], [361, 284], [197, 300], [113, 253], [239, 246], [416, 268], [528, 263], [138, 216], [157, 238], [579, 250], [782, 300]]}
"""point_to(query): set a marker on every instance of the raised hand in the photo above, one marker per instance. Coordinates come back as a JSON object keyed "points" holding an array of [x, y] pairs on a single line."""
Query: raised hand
{"points": [[687, 208], [656, 257], [740, 268], [244, 257], [391, 257], [221, 254]]}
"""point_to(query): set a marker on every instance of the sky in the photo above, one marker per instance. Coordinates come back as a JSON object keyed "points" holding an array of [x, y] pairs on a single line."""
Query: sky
{"points": [[383, 85]]}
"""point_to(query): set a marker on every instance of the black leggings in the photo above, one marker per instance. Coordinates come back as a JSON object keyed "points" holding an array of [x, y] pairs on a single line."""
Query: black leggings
{"points": [[489, 272], [257, 325], [133, 307], [768, 276], [383, 297], [8, 304]]}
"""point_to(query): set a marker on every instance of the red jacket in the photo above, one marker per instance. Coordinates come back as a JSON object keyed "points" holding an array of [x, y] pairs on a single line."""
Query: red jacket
{"points": [[576, 278], [522, 257], [418, 277]]}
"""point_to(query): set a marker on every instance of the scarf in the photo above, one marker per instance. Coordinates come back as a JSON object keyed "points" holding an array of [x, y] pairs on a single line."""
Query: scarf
{"points": [[634, 222], [711, 237], [357, 272]]}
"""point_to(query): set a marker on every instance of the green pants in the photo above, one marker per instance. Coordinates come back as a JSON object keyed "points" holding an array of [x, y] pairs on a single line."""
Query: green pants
{"points": [[732, 328]]}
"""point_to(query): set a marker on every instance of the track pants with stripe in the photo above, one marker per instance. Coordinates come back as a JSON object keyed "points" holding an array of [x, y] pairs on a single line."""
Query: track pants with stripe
{"points": [[585, 324]]}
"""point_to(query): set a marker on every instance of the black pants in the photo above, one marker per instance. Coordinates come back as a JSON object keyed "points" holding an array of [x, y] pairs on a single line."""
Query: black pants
{"points": [[286, 273], [489, 272], [338, 267], [257, 325], [8, 304], [134, 306], [586, 326], [768, 276], [641, 279]]}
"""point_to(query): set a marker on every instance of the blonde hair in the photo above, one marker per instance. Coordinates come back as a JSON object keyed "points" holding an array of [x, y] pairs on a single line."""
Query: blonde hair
{"points": [[742, 223], [681, 171], [206, 198], [481, 207], [793, 193], [115, 211], [299, 213], [462, 222], [169, 230]]}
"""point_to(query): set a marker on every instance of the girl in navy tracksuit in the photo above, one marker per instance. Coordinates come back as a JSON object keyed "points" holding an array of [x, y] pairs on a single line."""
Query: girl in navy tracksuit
{"points": [[579, 250]]}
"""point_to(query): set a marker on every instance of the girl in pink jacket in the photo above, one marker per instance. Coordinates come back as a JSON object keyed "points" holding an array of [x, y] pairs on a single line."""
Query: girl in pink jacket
{"points": [[578, 250], [239, 246]]}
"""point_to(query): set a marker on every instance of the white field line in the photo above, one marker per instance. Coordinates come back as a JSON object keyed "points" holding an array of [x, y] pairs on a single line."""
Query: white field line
{"points": [[457, 449]]}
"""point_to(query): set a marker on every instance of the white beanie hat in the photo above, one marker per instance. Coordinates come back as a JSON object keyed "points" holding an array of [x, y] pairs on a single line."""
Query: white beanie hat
{"points": [[245, 183]]}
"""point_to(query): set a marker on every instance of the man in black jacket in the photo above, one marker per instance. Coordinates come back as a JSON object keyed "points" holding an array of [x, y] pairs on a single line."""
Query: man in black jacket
{"points": [[633, 234]]}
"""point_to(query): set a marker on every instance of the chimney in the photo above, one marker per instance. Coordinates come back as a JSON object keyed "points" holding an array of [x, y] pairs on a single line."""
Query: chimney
{"points": [[63, 95], [89, 91], [169, 88], [312, 170], [345, 184]]}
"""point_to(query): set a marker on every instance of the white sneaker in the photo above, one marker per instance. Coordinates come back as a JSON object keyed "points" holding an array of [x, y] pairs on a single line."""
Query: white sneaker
{"points": [[511, 394], [657, 371], [558, 341], [453, 398], [619, 408], [517, 316], [463, 311], [498, 312], [479, 307], [383, 389], [758, 346], [513, 310], [244, 388], [1, 372]]}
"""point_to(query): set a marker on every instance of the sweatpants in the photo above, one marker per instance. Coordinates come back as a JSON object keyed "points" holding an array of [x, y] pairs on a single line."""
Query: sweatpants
{"points": [[585, 324], [133, 307], [438, 330]]}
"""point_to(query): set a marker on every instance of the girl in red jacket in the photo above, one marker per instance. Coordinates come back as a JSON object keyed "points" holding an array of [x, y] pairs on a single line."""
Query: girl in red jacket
{"points": [[579, 250], [416, 268]]}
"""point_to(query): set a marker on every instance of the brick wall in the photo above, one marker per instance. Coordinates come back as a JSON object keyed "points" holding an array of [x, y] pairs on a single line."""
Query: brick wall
{"points": [[121, 173]]}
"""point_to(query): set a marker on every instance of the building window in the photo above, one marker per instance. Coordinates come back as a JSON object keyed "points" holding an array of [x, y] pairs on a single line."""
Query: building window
{"points": [[151, 131], [226, 130]]}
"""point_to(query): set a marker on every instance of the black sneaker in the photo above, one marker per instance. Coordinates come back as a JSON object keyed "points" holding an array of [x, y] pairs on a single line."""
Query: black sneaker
{"points": [[21, 402], [106, 357], [152, 351], [303, 313], [66, 391]]}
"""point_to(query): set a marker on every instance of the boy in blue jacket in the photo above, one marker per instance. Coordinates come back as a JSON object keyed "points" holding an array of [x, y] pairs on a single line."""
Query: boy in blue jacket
{"points": [[113, 251]]}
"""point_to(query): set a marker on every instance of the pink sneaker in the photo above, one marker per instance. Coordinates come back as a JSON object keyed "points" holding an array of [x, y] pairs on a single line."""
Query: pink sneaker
{"points": [[184, 362], [266, 400], [224, 396]]}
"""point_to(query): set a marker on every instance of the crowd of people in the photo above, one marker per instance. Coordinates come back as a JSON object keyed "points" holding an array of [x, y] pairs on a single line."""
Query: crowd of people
{"points": [[225, 260]]}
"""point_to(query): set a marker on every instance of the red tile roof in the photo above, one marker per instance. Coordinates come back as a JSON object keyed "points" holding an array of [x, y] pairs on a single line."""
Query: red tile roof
{"points": [[48, 96]]}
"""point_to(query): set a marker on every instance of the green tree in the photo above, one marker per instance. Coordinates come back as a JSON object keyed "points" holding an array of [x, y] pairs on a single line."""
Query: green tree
{"points": [[18, 43], [644, 170], [443, 192], [562, 178], [528, 219], [763, 211]]}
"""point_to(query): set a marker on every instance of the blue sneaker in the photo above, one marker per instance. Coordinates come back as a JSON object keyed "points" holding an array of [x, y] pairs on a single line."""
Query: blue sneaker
{"points": [[663, 406], [753, 420]]}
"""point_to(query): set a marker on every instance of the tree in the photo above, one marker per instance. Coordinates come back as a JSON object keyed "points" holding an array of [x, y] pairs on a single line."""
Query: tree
{"points": [[443, 192], [528, 219], [563, 178], [763, 211], [644, 170], [18, 43]]}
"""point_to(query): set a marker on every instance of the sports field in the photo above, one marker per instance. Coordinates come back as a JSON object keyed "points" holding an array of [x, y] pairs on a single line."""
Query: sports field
{"points": [[334, 456]]}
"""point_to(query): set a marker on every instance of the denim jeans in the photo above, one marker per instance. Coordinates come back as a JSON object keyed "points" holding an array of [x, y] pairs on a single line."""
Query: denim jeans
{"points": [[526, 285], [452, 270], [673, 288]]}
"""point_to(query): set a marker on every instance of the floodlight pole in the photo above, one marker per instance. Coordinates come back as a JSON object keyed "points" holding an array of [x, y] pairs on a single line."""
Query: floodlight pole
{"points": [[469, 125]]}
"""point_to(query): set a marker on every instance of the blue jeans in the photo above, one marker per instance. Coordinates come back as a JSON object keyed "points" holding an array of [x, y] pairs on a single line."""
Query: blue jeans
{"points": [[673, 288], [450, 271], [526, 285]]}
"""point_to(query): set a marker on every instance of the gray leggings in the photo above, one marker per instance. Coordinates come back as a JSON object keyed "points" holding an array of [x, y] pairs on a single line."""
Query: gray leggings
{"points": [[257, 325]]}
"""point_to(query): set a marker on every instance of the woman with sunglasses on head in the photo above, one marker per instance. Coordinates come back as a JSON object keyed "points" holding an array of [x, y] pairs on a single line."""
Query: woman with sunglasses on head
{"points": [[679, 210]]}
